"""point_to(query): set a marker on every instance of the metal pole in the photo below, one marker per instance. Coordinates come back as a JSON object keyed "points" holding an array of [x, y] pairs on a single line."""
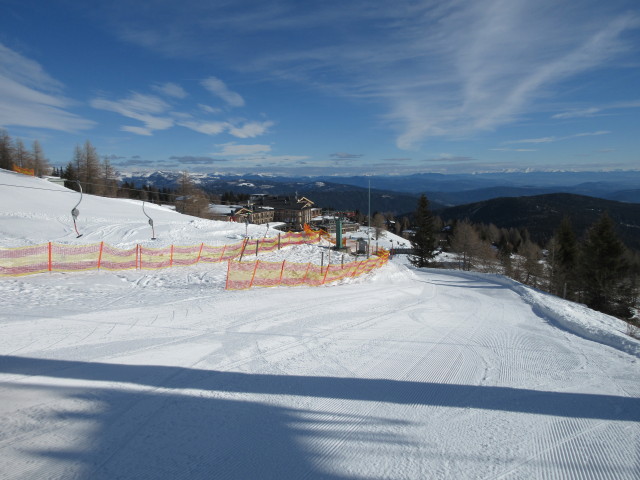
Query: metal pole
{"points": [[153, 230], [369, 223], [75, 212]]}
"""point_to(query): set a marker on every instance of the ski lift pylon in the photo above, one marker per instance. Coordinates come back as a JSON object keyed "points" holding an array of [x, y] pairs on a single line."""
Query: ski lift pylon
{"points": [[75, 212], [153, 231]]}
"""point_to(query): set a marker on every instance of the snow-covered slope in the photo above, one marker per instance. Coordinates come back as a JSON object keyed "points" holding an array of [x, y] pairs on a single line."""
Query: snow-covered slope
{"points": [[404, 373]]}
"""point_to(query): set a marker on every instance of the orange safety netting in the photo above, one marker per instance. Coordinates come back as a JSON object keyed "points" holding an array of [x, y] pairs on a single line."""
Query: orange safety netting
{"points": [[24, 171], [243, 275], [320, 232], [52, 257]]}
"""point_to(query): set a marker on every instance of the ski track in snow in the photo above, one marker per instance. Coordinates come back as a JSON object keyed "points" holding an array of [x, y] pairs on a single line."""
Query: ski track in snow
{"points": [[400, 374]]}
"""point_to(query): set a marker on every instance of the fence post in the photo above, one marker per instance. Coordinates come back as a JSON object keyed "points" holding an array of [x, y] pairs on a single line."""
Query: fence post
{"points": [[200, 252], [324, 279], [226, 286], [304, 279], [257, 246], [50, 262], [170, 258], [244, 245], [222, 254], [138, 256], [281, 272], [255, 268], [278, 241], [100, 255]]}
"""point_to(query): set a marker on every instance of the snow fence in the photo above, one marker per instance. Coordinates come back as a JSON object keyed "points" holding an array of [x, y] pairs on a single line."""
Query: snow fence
{"points": [[243, 275], [52, 257]]}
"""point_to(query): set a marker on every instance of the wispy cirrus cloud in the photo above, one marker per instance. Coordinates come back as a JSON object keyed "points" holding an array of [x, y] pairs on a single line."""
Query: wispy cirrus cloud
{"points": [[219, 89], [238, 130], [513, 149], [30, 97], [446, 158], [250, 129], [148, 109], [346, 156], [156, 113], [558, 139], [579, 113], [188, 159], [233, 149], [208, 128], [593, 111], [438, 69], [170, 89]]}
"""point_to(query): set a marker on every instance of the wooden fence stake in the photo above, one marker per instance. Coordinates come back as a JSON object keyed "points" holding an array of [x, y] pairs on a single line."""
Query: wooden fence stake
{"points": [[200, 252], [281, 272], [226, 286], [324, 279], [100, 256], [254, 273], [244, 245]]}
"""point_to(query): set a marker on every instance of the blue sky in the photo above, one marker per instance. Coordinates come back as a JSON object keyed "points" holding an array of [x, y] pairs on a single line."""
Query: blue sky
{"points": [[326, 87]]}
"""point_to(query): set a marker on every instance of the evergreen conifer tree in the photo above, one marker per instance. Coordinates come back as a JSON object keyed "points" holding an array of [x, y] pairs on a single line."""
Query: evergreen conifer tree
{"points": [[423, 242], [566, 260], [605, 270], [70, 174], [6, 151]]}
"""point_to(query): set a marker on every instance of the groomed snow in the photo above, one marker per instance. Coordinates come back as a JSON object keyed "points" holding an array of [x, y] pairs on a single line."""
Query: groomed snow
{"points": [[402, 374]]}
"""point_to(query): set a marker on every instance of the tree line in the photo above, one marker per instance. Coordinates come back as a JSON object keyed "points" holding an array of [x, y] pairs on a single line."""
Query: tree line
{"points": [[14, 153], [95, 175], [593, 267]]}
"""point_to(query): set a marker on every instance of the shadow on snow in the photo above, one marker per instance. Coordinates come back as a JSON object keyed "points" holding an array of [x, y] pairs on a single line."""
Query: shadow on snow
{"points": [[171, 434]]}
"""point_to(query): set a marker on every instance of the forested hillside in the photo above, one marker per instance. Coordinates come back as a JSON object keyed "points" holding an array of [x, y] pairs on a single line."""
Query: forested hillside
{"points": [[542, 214]]}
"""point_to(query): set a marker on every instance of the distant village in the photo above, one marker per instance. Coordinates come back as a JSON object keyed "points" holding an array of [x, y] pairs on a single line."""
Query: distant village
{"points": [[291, 211]]}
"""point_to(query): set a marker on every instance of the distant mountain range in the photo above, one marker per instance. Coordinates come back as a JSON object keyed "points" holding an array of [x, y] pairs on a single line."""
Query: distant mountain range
{"points": [[399, 193], [324, 192], [536, 201]]}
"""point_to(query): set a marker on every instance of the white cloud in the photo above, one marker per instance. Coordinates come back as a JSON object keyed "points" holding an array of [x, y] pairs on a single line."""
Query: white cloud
{"points": [[584, 112], [208, 128], [558, 139], [250, 129], [513, 149], [26, 71], [209, 109], [218, 88], [246, 130], [346, 156], [534, 140], [170, 89], [592, 111], [590, 134], [29, 97], [137, 130], [145, 108], [446, 69], [233, 149]]}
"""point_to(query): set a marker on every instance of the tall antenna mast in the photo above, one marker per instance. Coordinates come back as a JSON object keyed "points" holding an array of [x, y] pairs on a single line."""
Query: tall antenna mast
{"points": [[369, 223]]}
